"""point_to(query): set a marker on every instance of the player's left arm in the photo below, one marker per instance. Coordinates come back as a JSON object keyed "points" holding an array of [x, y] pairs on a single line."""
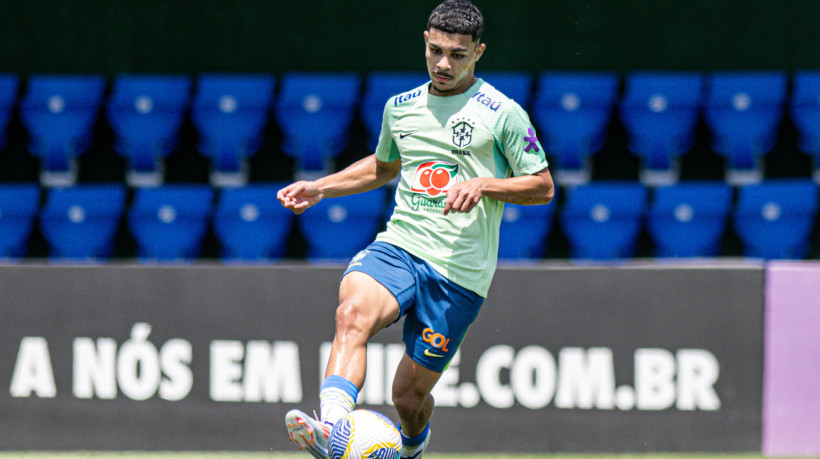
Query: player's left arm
{"points": [[537, 188]]}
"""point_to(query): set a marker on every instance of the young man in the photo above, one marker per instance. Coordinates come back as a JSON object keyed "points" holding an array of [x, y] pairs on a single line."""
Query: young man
{"points": [[462, 149]]}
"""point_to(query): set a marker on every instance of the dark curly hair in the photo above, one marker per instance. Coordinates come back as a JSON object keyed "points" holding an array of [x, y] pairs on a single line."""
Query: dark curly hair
{"points": [[457, 16]]}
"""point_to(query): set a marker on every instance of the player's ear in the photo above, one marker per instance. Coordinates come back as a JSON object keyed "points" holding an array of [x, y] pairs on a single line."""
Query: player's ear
{"points": [[479, 50], [426, 36]]}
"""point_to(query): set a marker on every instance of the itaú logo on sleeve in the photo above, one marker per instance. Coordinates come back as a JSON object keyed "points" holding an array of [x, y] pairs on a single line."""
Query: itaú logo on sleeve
{"points": [[434, 177]]}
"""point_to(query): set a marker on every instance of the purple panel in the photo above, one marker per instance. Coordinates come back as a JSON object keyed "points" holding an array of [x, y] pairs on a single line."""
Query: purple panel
{"points": [[791, 386]]}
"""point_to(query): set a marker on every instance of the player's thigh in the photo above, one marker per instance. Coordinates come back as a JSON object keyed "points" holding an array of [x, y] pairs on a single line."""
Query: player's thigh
{"points": [[364, 300]]}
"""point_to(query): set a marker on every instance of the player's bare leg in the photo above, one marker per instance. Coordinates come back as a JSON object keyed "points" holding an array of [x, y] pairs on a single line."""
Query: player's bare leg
{"points": [[365, 307], [414, 404]]}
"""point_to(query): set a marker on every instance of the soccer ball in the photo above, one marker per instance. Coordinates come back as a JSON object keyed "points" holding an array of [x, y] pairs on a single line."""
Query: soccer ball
{"points": [[364, 434]]}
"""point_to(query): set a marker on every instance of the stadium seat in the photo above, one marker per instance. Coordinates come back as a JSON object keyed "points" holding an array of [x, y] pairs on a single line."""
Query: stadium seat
{"points": [[146, 112], [59, 112], [8, 98], [744, 110], [515, 85], [774, 218], [169, 222], [80, 222], [18, 208], [337, 228], [573, 111], [805, 112], [524, 231], [250, 223], [689, 219], [380, 86], [660, 111], [315, 112], [602, 220], [230, 113]]}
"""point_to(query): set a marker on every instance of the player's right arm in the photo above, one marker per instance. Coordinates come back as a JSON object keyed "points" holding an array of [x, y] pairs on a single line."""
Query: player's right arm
{"points": [[364, 175]]}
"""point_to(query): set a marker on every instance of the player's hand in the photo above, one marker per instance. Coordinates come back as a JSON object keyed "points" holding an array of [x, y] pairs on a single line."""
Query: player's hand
{"points": [[464, 196], [299, 196]]}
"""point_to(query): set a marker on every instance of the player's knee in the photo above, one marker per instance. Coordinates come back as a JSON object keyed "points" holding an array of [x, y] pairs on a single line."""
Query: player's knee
{"points": [[352, 317], [408, 402], [405, 405]]}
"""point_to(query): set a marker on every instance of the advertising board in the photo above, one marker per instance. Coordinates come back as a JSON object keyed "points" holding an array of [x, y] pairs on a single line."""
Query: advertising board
{"points": [[212, 357]]}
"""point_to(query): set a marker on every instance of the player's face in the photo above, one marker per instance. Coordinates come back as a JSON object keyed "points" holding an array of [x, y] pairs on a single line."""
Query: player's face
{"points": [[451, 59]]}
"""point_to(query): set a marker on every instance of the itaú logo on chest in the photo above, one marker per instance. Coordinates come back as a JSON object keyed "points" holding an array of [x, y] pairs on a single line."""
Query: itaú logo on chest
{"points": [[434, 177]]}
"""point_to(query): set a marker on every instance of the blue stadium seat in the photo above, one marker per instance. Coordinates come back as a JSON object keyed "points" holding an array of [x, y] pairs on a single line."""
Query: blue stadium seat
{"points": [[230, 112], [8, 98], [524, 231], [380, 86], [146, 112], [19, 204], [170, 221], [774, 218], [805, 112], [689, 219], [59, 112], [80, 222], [251, 224], [573, 111], [602, 220], [744, 110], [337, 228], [660, 111], [515, 85], [315, 112]]}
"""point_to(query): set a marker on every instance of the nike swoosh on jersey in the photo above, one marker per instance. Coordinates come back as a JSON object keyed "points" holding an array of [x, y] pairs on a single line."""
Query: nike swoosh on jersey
{"points": [[430, 354], [405, 134]]}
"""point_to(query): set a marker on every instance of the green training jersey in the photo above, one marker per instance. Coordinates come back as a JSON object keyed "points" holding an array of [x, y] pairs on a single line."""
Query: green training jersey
{"points": [[442, 141]]}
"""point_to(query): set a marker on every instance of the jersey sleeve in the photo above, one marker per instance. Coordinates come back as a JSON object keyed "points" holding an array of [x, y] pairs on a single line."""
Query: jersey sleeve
{"points": [[520, 143], [386, 150]]}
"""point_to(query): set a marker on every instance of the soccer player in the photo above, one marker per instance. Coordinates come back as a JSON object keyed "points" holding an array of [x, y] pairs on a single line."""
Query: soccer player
{"points": [[462, 149]]}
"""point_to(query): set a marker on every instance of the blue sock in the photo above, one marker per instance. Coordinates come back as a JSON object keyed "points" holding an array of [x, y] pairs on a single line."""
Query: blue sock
{"points": [[337, 397], [412, 442]]}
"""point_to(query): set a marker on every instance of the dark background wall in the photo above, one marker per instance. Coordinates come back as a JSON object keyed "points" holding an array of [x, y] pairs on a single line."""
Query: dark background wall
{"points": [[364, 35]]}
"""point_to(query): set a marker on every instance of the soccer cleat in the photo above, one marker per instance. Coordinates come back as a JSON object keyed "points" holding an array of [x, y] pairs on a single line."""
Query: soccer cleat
{"points": [[309, 434], [415, 451]]}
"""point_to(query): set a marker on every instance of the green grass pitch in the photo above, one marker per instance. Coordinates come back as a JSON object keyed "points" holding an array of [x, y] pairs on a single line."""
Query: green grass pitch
{"points": [[293, 455]]}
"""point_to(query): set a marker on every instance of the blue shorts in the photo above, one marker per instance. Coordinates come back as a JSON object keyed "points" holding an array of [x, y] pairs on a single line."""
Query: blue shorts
{"points": [[438, 312]]}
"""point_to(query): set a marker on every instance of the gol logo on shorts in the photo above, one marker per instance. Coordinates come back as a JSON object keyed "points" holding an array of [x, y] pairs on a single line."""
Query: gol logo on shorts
{"points": [[437, 340], [434, 177]]}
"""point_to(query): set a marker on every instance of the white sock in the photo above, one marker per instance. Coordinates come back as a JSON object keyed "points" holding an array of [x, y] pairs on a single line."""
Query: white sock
{"points": [[338, 398]]}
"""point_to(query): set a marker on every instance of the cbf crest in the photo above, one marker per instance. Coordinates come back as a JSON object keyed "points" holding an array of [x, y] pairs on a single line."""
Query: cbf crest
{"points": [[462, 134]]}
